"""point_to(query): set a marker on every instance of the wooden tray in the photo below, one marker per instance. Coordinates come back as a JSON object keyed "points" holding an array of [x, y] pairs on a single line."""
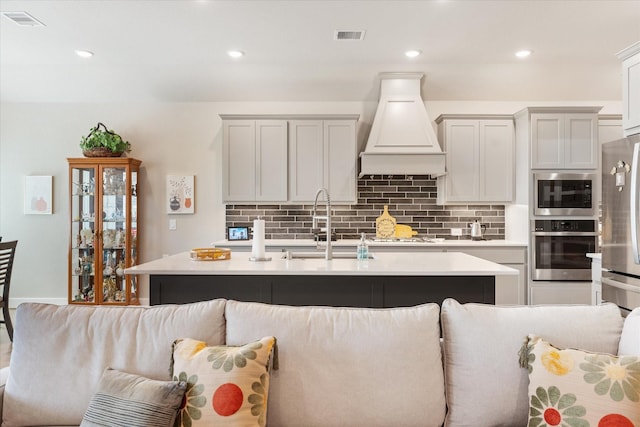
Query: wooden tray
{"points": [[210, 254]]}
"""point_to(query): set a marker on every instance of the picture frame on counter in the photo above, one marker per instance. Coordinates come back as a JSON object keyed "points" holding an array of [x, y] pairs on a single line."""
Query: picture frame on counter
{"points": [[238, 233]]}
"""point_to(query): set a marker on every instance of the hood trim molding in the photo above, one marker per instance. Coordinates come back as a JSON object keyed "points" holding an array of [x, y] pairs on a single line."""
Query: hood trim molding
{"points": [[402, 139]]}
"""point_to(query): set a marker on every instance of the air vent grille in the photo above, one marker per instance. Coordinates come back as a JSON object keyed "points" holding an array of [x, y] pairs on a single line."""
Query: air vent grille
{"points": [[23, 19], [349, 35]]}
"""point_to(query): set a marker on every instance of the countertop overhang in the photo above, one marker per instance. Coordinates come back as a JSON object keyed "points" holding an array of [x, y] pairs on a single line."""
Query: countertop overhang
{"points": [[383, 264]]}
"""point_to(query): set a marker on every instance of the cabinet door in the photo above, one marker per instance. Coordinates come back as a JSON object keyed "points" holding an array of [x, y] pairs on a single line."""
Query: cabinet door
{"points": [[496, 172], [631, 94], [462, 145], [306, 164], [239, 160], [340, 159], [560, 293], [271, 161], [547, 136], [580, 141], [82, 257]]}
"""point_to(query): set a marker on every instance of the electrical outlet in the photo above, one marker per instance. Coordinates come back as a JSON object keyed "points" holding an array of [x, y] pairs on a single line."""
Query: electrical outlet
{"points": [[172, 224], [456, 231]]}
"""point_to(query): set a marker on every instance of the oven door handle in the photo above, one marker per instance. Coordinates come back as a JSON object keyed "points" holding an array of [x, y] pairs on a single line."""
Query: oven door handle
{"points": [[564, 233], [620, 285], [635, 170]]}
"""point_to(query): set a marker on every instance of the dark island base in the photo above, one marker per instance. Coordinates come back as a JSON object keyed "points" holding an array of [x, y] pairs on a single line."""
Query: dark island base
{"points": [[338, 291]]}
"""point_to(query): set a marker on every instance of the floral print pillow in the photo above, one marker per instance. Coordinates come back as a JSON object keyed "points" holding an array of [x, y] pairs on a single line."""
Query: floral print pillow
{"points": [[226, 386], [575, 388]]}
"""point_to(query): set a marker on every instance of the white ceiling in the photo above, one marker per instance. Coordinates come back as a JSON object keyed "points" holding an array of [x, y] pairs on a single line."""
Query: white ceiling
{"points": [[175, 50]]}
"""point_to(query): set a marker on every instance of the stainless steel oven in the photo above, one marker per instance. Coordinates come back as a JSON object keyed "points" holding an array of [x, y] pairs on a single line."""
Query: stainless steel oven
{"points": [[564, 194], [560, 248]]}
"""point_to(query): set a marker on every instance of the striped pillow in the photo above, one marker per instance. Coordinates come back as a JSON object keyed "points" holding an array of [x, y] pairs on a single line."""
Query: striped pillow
{"points": [[131, 400]]}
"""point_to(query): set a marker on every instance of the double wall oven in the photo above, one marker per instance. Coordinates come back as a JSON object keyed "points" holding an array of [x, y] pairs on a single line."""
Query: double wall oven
{"points": [[564, 227]]}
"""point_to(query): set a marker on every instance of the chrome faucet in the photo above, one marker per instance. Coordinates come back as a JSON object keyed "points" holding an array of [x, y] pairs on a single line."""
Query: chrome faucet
{"points": [[326, 218]]}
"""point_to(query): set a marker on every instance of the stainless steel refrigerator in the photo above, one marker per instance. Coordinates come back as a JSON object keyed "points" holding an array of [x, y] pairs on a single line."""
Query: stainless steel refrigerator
{"points": [[621, 222]]}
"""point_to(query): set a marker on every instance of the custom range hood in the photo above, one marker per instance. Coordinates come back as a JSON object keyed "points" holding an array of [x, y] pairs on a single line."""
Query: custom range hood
{"points": [[402, 140]]}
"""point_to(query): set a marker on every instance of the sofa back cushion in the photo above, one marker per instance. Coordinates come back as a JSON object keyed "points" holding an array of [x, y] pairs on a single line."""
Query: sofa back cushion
{"points": [[630, 337], [348, 366], [485, 384], [60, 353]]}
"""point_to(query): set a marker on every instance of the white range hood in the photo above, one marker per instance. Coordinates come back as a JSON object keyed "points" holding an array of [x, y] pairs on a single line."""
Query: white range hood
{"points": [[402, 140]]}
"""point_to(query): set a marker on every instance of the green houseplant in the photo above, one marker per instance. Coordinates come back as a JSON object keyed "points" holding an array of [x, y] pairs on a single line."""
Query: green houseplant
{"points": [[102, 142]]}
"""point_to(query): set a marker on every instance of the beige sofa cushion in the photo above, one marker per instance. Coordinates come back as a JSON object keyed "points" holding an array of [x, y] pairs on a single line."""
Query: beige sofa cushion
{"points": [[630, 337], [485, 385], [60, 353], [348, 366]]}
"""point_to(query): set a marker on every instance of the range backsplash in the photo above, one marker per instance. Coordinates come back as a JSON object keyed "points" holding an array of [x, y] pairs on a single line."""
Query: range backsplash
{"points": [[411, 200]]}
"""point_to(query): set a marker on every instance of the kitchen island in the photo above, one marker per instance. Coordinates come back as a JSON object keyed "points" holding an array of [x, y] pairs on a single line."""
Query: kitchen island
{"points": [[509, 289], [387, 280]]}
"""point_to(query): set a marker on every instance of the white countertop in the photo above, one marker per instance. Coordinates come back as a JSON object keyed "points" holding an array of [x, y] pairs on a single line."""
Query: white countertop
{"points": [[383, 264], [372, 244], [594, 255]]}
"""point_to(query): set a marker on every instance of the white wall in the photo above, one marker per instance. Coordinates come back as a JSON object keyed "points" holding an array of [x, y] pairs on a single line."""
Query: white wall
{"points": [[179, 138]]}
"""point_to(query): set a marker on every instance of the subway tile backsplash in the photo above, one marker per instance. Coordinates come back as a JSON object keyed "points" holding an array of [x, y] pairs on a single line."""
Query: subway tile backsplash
{"points": [[411, 200]]}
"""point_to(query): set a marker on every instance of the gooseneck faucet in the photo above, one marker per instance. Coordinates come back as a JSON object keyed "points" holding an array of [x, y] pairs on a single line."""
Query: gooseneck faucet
{"points": [[326, 218]]}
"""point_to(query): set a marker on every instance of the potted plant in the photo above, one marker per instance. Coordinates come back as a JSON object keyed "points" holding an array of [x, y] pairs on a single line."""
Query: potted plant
{"points": [[102, 142]]}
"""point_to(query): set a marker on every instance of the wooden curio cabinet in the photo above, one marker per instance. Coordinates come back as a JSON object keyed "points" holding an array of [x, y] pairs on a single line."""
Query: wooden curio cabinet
{"points": [[104, 230]]}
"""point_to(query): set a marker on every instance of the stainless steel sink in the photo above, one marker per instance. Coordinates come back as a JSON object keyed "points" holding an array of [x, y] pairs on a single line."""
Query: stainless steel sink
{"points": [[320, 255]]}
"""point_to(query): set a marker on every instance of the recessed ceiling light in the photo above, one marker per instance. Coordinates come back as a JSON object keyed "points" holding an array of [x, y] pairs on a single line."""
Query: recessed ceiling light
{"points": [[235, 53], [412, 53], [523, 53], [84, 53]]}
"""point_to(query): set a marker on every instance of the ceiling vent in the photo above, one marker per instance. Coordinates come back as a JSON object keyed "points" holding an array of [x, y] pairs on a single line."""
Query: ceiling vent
{"points": [[348, 35], [23, 19]]}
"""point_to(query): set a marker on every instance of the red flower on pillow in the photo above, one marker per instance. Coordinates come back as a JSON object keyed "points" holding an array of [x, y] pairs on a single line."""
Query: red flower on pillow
{"points": [[615, 420]]}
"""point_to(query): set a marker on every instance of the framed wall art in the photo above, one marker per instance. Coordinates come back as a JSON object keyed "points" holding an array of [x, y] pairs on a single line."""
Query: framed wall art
{"points": [[38, 195], [180, 196]]}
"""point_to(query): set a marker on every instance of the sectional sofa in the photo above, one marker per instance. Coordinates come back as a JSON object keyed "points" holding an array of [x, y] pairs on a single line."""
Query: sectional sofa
{"points": [[428, 365]]}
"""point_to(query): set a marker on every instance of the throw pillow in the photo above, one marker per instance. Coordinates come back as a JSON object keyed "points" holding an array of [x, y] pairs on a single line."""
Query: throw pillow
{"points": [[630, 337], [577, 388], [226, 386], [130, 400]]}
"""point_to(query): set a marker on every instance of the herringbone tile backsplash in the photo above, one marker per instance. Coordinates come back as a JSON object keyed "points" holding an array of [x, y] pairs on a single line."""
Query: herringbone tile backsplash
{"points": [[411, 200]]}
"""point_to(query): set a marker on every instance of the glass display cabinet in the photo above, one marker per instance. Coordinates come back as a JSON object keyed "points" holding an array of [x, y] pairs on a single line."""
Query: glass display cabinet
{"points": [[104, 230]]}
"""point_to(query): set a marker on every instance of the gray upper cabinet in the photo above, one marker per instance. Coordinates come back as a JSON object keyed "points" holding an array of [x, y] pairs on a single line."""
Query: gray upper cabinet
{"points": [[254, 160], [480, 156], [305, 159], [631, 89], [322, 153], [289, 158], [564, 140]]}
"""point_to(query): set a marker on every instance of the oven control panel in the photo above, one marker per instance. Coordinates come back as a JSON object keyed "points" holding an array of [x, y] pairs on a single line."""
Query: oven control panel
{"points": [[565, 225]]}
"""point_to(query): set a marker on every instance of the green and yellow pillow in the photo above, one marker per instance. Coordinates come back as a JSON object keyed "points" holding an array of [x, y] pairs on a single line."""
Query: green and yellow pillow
{"points": [[575, 388], [226, 386]]}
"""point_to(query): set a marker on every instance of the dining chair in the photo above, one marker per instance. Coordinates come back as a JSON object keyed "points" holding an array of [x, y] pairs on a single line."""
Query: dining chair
{"points": [[7, 253]]}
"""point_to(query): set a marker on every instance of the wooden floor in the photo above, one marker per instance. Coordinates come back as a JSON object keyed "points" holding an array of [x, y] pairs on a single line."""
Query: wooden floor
{"points": [[5, 344]]}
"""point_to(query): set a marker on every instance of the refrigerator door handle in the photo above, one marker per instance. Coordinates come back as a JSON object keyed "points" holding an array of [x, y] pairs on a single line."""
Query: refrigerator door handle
{"points": [[620, 285], [634, 203]]}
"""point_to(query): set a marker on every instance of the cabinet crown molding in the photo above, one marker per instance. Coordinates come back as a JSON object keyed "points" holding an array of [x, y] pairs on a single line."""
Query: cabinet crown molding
{"points": [[442, 117], [629, 51], [574, 109], [289, 116]]}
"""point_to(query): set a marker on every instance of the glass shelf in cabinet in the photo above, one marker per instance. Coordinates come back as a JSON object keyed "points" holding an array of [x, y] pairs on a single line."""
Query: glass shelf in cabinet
{"points": [[80, 274]]}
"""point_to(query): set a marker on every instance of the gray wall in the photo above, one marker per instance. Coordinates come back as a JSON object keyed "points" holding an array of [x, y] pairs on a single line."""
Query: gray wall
{"points": [[169, 138]]}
